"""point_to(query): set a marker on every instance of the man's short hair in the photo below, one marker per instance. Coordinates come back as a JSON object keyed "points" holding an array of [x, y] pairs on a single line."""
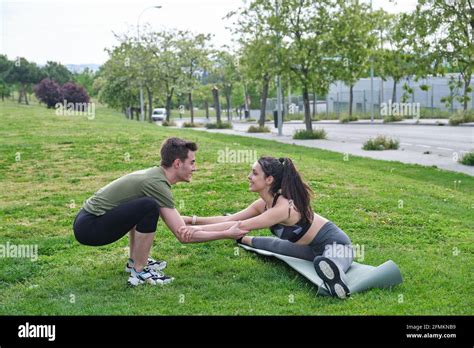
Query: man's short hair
{"points": [[173, 148]]}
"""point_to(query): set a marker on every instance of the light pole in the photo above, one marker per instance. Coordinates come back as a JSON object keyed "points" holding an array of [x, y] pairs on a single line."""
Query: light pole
{"points": [[371, 81], [142, 116], [278, 80]]}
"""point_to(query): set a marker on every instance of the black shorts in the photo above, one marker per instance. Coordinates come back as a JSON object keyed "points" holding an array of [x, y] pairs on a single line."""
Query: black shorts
{"points": [[90, 229]]}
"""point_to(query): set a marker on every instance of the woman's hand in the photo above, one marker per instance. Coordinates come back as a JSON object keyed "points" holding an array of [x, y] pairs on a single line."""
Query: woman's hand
{"points": [[235, 232], [187, 232]]}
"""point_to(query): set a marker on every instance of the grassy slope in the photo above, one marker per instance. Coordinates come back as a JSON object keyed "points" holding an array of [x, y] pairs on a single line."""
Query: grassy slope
{"points": [[65, 159]]}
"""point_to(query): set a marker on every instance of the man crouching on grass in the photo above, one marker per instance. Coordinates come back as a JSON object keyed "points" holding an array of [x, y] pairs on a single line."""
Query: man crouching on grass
{"points": [[134, 202]]}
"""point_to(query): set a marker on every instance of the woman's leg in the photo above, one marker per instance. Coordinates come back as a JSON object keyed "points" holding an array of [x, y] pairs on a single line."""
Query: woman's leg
{"points": [[331, 267], [283, 247]]}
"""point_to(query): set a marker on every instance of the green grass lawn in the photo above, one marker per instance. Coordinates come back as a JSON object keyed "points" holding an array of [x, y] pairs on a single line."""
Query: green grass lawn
{"points": [[417, 216]]}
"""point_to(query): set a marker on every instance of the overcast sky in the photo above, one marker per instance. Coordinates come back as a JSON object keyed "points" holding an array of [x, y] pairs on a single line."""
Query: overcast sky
{"points": [[77, 31]]}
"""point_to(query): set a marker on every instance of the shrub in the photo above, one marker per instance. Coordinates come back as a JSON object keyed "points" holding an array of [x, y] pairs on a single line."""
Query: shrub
{"points": [[48, 92], [73, 93], [219, 125], [258, 129], [392, 118], [381, 143], [346, 118], [191, 125], [461, 117], [312, 134], [166, 123], [467, 159]]}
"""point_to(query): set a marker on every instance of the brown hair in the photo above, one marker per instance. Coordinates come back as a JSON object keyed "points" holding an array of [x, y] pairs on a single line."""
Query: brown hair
{"points": [[173, 148], [287, 179]]}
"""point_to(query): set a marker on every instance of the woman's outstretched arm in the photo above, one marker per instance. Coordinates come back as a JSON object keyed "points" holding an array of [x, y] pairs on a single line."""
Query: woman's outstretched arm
{"points": [[249, 212], [268, 218]]}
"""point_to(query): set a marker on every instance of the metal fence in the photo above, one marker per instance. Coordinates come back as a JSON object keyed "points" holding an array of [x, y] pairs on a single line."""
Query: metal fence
{"points": [[336, 102]]}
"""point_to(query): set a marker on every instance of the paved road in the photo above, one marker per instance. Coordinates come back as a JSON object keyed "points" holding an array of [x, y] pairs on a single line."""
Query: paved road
{"points": [[423, 144]]}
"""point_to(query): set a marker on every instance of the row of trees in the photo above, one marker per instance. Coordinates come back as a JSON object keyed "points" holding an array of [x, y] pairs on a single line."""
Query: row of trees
{"points": [[22, 76], [309, 44]]}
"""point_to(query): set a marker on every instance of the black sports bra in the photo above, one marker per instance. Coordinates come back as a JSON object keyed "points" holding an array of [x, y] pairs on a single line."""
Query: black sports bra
{"points": [[291, 233]]}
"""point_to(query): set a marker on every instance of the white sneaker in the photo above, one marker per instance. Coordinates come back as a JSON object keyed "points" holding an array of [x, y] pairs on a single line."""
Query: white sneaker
{"points": [[155, 265], [148, 276], [143, 277]]}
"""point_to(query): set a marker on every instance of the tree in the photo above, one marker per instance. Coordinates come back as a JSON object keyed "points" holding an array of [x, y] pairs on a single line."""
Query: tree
{"points": [[445, 29], [203, 95], [5, 66], [164, 46], [57, 72], [224, 75], [119, 78], [86, 79], [24, 74], [48, 92], [195, 60], [259, 52], [305, 26], [354, 41], [73, 93]]}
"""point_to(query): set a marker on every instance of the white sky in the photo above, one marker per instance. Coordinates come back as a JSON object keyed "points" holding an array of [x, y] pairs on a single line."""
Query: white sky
{"points": [[77, 31]]}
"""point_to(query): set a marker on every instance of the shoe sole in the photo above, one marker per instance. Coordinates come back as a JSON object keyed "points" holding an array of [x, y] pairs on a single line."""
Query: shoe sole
{"points": [[132, 281], [330, 275]]}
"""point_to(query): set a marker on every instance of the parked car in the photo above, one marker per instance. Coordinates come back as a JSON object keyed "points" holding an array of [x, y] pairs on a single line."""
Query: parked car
{"points": [[158, 114]]}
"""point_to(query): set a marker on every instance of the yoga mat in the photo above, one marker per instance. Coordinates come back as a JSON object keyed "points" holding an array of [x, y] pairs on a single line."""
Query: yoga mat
{"points": [[360, 277]]}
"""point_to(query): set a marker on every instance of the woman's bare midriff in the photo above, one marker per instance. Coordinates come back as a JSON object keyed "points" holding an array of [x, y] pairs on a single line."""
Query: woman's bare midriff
{"points": [[318, 222]]}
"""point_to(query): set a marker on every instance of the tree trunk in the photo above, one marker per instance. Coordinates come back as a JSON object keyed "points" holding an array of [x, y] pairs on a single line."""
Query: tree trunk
{"points": [[20, 93], [246, 98], [263, 97], [394, 94], [168, 107], [351, 99], [191, 108], [150, 103], [314, 104], [217, 105], [467, 81], [206, 106], [169, 97], [227, 99], [307, 113]]}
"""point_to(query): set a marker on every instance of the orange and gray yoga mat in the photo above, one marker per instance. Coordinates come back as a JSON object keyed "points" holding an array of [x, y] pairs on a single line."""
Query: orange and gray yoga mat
{"points": [[360, 277]]}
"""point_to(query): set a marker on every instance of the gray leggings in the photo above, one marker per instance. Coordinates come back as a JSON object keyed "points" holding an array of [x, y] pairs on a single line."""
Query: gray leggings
{"points": [[330, 242]]}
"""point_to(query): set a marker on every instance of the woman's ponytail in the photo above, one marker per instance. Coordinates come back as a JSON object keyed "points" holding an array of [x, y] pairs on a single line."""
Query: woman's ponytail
{"points": [[294, 188]]}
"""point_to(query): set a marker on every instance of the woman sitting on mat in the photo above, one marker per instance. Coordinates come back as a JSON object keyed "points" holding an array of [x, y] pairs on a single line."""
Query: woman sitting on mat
{"points": [[284, 207]]}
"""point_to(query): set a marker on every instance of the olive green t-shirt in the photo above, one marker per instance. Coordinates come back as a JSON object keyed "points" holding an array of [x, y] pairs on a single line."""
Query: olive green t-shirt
{"points": [[149, 182]]}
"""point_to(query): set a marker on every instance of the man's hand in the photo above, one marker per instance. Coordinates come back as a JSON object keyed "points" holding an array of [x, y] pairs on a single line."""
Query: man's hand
{"points": [[235, 232]]}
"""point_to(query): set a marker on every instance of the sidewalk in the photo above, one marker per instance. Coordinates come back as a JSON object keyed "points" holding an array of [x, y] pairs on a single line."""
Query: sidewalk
{"points": [[405, 122], [405, 154]]}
